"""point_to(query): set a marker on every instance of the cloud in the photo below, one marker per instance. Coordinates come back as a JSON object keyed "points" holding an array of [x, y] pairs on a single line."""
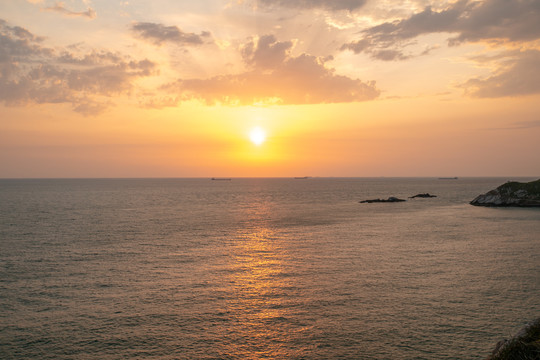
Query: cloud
{"points": [[499, 20], [159, 34], [61, 8], [33, 73], [91, 108], [16, 43], [310, 4], [266, 52], [518, 75], [276, 77], [527, 124], [472, 21]]}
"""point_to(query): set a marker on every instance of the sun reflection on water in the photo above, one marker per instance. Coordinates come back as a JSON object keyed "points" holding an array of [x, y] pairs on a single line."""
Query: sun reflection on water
{"points": [[262, 301]]}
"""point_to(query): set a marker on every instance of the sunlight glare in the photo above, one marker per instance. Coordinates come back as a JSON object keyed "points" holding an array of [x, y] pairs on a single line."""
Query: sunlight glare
{"points": [[257, 135]]}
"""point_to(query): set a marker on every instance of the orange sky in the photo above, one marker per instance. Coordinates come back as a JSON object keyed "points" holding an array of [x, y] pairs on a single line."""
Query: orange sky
{"points": [[342, 88]]}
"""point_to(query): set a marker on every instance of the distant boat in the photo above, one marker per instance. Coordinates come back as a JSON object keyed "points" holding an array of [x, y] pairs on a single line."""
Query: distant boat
{"points": [[448, 178], [221, 179], [301, 177]]}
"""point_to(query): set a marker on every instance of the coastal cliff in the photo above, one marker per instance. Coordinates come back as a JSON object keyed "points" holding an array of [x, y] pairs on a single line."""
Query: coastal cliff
{"points": [[511, 194], [525, 345]]}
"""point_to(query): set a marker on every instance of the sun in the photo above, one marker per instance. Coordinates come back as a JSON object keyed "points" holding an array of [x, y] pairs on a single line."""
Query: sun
{"points": [[257, 135]]}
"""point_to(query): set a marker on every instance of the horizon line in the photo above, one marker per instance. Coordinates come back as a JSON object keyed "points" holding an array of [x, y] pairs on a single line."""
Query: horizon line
{"points": [[267, 177]]}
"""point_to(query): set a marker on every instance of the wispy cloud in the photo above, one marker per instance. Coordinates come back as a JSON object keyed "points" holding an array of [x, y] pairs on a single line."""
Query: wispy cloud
{"points": [[527, 124], [517, 75], [61, 8], [276, 77], [159, 34]]}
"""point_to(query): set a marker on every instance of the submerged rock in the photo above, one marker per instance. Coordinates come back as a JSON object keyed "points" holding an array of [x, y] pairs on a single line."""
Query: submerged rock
{"points": [[525, 345], [511, 194], [426, 195], [390, 199]]}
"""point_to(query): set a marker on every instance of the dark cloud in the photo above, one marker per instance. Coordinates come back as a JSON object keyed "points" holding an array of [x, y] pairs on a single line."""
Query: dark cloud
{"points": [[17, 43], [310, 4], [276, 77], [517, 76], [358, 46], [61, 8], [266, 52], [159, 34], [33, 73], [500, 20], [108, 78], [489, 20]]}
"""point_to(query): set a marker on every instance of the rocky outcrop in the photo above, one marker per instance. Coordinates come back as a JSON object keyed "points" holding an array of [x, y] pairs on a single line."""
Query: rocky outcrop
{"points": [[390, 199], [511, 194], [426, 195], [525, 345]]}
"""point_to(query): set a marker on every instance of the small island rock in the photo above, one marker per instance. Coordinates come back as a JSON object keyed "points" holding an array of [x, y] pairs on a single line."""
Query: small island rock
{"points": [[511, 194], [426, 195], [390, 199]]}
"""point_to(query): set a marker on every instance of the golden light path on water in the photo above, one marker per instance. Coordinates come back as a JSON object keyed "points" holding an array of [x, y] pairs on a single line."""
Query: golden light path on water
{"points": [[256, 294], [262, 298]]}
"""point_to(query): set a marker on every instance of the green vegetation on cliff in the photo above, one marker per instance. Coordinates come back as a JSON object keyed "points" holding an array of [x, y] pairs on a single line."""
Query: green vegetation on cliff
{"points": [[512, 193], [524, 346], [532, 188]]}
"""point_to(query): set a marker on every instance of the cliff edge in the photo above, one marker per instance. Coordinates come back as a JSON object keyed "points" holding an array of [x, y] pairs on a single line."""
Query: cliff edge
{"points": [[512, 193], [525, 345]]}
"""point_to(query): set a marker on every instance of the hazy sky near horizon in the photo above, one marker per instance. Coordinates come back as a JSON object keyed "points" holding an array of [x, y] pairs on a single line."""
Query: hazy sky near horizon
{"points": [[164, 88]]}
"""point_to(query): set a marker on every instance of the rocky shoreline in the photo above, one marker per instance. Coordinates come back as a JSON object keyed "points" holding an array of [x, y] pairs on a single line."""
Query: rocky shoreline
{"points": [[525, 345], [512, 193]]}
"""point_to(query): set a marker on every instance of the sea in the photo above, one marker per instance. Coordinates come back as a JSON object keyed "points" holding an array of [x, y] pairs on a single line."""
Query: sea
{"points": [[262, 268]]}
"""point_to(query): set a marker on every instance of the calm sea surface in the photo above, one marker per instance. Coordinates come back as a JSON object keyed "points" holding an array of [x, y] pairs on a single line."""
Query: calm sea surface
{"points": [[261, 269]]}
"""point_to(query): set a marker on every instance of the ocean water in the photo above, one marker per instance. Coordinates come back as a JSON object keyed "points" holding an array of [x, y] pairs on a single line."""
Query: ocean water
{"points": [[261, 269]]}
